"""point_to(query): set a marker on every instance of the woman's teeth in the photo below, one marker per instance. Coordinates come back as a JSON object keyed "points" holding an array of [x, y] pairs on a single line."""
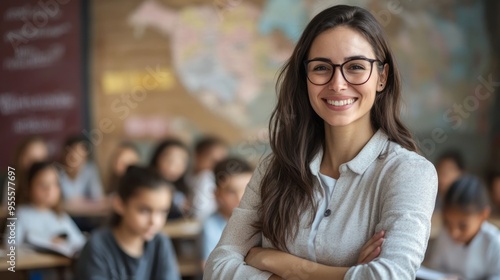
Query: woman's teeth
{"points": [[341, 102]]}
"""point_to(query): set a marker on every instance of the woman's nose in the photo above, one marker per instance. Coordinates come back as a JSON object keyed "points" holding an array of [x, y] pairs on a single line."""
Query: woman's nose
{"points": [[337, 82]]}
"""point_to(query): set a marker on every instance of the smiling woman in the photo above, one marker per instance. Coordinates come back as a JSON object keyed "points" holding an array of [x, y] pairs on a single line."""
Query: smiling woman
{"points": [[336, 198]]}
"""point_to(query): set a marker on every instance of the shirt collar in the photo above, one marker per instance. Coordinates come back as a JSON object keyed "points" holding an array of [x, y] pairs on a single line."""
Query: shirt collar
{"points": [[363, 159]]}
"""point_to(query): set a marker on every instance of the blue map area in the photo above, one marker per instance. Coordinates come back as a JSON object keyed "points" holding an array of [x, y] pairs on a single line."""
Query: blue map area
{"points": [[289, 16]]}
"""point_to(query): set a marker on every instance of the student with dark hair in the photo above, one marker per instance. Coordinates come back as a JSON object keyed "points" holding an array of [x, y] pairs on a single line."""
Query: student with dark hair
{"points": [[343, 170], [493, 183], [126, 154], [469, 246], [79, 177], [31, 149], [171, 160], [40, 216], [208, 152], [133, 247], [231, 178], [449, 166]]}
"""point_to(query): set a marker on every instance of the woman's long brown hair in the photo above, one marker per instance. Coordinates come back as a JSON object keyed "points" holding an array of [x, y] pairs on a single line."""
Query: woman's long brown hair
{"points": [[297, 132]]}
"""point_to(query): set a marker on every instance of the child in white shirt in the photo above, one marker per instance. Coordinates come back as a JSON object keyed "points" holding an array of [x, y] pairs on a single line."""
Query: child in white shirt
{"points": [[469, 247]]}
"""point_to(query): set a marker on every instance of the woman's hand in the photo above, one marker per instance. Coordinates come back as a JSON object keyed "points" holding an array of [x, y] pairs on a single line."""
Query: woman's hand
{"points": [[372, 248], [257, 257], [287, 266]]}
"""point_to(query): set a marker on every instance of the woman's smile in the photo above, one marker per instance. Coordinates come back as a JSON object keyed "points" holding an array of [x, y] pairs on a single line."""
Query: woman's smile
{"points": [[340, 103]]}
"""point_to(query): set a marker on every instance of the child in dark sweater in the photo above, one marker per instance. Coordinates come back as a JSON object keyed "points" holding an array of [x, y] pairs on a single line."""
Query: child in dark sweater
{"points": [[133, 247]]}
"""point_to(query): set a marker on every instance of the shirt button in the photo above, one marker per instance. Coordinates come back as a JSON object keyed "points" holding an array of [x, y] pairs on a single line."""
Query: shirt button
{"points": [[328, 212]]}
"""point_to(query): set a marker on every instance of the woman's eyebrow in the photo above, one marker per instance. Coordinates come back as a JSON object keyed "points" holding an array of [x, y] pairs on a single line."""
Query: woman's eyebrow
{"points": [[345, 58], [354, 57]]}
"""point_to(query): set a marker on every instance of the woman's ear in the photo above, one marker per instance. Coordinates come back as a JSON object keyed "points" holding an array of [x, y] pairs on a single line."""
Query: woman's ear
{"points": [[382, 78], [118, 204]]}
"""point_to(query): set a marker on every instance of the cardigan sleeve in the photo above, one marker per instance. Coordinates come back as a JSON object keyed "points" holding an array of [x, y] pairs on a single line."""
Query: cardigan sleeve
{"points": [[227, 259], [406, 206]]}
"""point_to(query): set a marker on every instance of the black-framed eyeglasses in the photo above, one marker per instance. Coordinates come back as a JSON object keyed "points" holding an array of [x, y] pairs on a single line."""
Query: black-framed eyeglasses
{"points": [[356, 71]]}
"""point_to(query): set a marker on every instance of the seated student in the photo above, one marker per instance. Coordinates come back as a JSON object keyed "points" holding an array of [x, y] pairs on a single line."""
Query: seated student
{"points": [[493, 181], [449, 166], [30, 150], [41, 217], [208, 152], [133, 247], [80, 180], [125, 155], [171, 159], [231, 178], [469, 246]]}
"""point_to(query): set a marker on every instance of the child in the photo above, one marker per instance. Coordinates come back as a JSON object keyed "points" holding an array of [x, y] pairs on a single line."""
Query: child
{"points": [[125, 155], [494, 190], [450, 166], [41, 218], [231, 176], [470, 246], [133, 248], [171, 160], [79, 177], [31, 150], [209, 151]]}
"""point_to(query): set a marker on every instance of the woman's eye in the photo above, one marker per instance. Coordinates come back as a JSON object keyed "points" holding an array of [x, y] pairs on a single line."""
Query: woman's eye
{"points": [[356, 67], [321, 68]]}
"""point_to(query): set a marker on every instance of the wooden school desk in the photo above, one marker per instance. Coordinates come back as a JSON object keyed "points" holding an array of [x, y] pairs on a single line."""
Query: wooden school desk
{"points": [[185, 232], [88, 209], [27, 260]]}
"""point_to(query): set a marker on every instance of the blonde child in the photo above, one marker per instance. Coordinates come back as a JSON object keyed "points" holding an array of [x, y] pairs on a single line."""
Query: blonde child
{"points": [[133, 247]]}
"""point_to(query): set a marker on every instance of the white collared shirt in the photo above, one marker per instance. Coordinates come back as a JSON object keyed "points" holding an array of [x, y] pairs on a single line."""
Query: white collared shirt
{"points": [[385, 187]]}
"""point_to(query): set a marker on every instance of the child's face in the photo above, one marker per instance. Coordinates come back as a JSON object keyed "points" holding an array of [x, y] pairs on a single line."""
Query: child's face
{"points": [[145, 213], [447, 172], [45, 191], [217, 154], [173, 163], [126, 157], [76, 155], [230, 191], [463, 226], [36, 151], [495, 191], [209, 159]]}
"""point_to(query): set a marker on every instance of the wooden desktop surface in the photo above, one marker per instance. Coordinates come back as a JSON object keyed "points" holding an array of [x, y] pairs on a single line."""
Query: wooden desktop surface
{"points": [[28, 259], [87, 208], [183, 228]]}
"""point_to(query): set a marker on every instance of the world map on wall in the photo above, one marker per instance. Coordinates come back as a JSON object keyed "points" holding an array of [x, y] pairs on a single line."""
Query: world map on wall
{"points": [[228, 56]]}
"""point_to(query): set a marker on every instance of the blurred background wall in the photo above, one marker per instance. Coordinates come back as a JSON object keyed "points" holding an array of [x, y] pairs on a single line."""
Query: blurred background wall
{"points": [[143, 70]]}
